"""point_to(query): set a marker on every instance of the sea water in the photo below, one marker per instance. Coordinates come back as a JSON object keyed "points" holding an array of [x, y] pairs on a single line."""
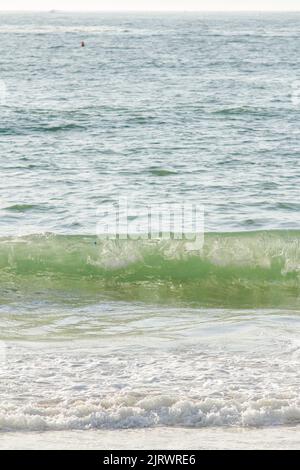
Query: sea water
{"points": [[105, 337]]}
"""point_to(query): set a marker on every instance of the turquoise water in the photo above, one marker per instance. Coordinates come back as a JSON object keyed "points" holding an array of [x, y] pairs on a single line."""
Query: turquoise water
{"points": [[160, 108]]}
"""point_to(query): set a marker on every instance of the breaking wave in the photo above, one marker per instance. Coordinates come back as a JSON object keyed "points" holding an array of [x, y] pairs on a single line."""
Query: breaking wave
{"points": [[239, 269], [116, 413]]}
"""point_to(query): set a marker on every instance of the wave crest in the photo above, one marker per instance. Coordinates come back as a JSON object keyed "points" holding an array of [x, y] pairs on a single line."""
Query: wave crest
{"points": [[240, 269]]}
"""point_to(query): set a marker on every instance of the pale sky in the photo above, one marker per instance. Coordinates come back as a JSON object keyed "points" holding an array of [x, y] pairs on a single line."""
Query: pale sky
{"points": [[147, 5]]}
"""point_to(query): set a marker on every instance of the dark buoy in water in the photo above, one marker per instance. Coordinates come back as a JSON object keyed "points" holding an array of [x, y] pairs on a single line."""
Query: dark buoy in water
{"points": [[82, 44]]}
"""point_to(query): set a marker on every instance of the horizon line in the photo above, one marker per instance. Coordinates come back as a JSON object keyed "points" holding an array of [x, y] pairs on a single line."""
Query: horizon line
{"points": [[56, 10]]}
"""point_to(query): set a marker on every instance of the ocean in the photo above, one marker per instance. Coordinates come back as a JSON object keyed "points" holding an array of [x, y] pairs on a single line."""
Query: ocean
{"points": [[113, 342]]}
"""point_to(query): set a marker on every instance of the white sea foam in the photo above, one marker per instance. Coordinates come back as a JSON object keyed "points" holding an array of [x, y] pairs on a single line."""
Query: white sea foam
{"points": [[118, 383], [162, 412]]}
